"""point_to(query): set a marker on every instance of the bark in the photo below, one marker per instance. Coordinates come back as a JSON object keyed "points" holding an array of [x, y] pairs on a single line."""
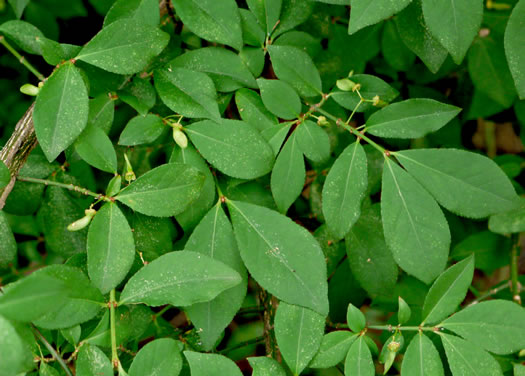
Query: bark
{"points": [[17, 149]]}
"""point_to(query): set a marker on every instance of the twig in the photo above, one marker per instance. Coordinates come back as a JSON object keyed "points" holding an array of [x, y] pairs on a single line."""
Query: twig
{"points": [[52, 351], [70, 187]]}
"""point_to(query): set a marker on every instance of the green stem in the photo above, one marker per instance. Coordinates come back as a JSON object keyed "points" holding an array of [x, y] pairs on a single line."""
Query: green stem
{"points": [[252, 341], [354, 111], [21, 59], [405, 328], [112, 304], [161, 312], [70, 187], [514, 256], [52, 351]]}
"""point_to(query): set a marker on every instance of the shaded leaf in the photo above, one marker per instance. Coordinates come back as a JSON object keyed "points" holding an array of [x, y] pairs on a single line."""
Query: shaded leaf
{"points": [[280, 98], [8, 247], [264, 366], [95, 147], [252, 110], [92, 361], [514, 41], [141, 130], [267, 13], [333, 349], [24, 34], [211, 364], [509, 222], [313, 141], [358, 361], [145, 11]]}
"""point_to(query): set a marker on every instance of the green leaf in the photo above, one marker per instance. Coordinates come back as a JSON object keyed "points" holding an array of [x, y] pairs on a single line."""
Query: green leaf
{"points": [[488, 69], [519, 370], [333, 349], [188, 93], [139, 94], [394, 50], [101, 112], [252, 110], [214, 237], [264, 366], [92, 361], [169, 279], [403, 312], [165, 191], [454, 23], [46, 370], [296, 68], [417, 37], [190, 217], [370, 87], [358, 361], [211, 364], [293, 13], [288, 175], [213, 20], [95, 147], [14, 351], [365, 13], [83, 301], [448, 291], [421, 358], [124, 47], [355, 319], [465, 183], [415, 228], [32, 297], [371, 261], [61, 110], [509, 222], [5, 175], [497, 326], [280, 98], [413, 118], [313, 141], [514, 41], [299, 332], [159, 357], [225, 68], [252, 32], [18, 6], [141, 130], [144, 11], [267, 13], [110, 248], [24, 34], [233, 147], [468, 359], [8, 247], [269, 243], [344, 189]]}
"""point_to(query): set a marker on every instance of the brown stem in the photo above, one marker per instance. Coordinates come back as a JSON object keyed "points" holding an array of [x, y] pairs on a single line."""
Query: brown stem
{"points": [[269, 303], [15, 152]]}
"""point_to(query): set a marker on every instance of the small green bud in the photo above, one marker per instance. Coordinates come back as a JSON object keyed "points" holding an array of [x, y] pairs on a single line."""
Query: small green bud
{"points": [[180, 138], [378, 102], [394, 346], [321, 120], [345, 84], [129, 175], [29, 89]]}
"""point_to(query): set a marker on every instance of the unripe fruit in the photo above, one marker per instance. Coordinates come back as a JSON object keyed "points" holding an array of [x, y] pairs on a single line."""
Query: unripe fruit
{"points": [[180, 138], [345, 84], [29, 89]]}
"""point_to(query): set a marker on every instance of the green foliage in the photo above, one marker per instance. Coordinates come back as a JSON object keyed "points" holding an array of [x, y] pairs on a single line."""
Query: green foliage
{"points": [[277, 181]]}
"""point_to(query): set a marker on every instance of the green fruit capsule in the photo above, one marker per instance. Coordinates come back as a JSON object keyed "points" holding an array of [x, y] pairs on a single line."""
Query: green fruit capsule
{"points": [[180, 138], [345, 84], [82, 222]]}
